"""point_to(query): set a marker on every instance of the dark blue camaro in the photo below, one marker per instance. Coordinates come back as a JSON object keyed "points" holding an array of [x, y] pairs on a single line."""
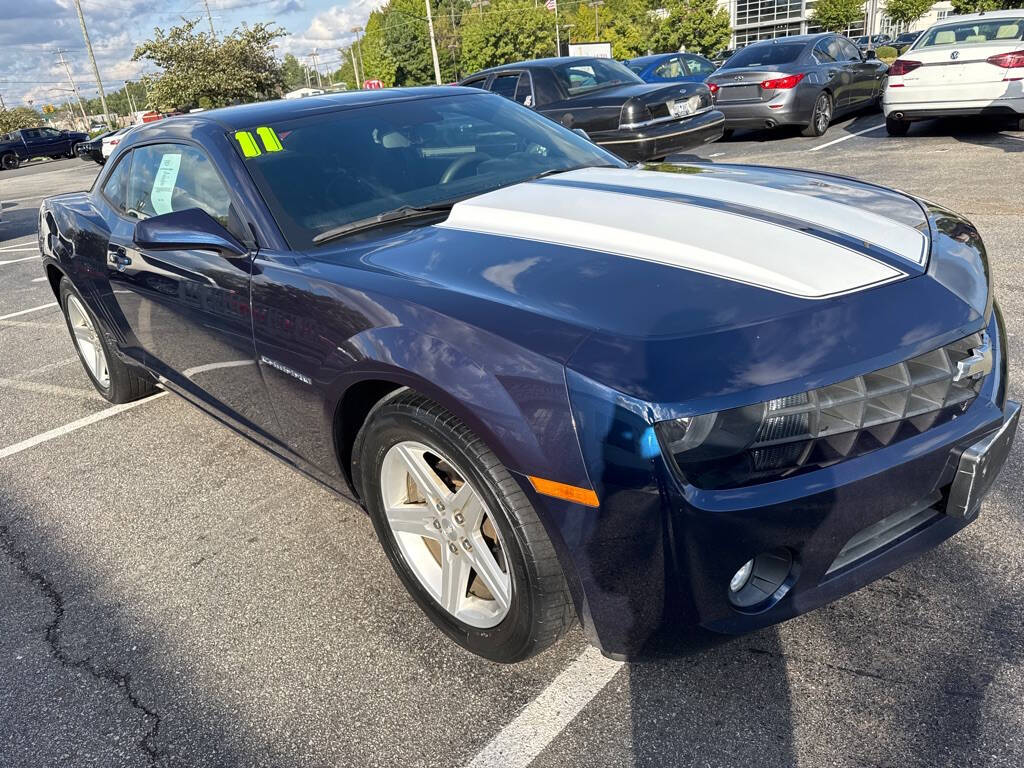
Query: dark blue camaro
{"points": [[674, 403]]}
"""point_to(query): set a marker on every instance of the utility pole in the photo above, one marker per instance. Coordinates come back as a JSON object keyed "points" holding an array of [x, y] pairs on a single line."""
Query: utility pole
{"points": [[597, 29], [92, 59], [2, 105], [480, 4], [558, 34], [357, 59], [131, 102], [209, 18], [433, 44], [316, 66], [81, 106]]}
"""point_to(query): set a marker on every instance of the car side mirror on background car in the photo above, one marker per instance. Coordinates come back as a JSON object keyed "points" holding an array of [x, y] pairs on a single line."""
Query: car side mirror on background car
{"points": [[869, 54], [191, 229]]}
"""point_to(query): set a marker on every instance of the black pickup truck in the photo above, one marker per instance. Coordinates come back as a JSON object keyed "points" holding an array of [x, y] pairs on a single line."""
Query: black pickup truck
{"points": [[26, 143]]}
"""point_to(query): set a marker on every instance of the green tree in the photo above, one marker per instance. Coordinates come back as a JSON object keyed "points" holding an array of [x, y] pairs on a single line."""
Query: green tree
{"points": [[974, 6], [376, 62], [510, 30], [631, 26], [702, 26], [292, 73], [837, 15], [19, 117], [199, 69], [905, 12]]}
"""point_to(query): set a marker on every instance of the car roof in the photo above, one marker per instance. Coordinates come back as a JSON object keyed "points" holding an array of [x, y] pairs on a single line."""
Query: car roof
{"points": [[1013, 13], [552, 61], [247, 115], [793, 39]]}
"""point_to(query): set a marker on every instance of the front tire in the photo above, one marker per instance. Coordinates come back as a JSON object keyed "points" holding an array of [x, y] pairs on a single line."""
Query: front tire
{"points": [[896, 127], [459, 531], [821, 116], [113, 379]]}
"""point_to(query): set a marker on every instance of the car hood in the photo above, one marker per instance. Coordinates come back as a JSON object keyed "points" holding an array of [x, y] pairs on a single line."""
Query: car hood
{"points": [[701, 281]]}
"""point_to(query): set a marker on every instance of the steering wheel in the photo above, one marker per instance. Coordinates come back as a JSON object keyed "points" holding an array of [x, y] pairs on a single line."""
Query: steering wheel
{"points": [[473, 158]]}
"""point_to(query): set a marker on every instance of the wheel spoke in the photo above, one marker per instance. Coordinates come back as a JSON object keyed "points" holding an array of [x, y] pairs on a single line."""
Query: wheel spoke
{"points": [[455, 569], [426, 479], [487, 568], [412, 518], [467, 502]]}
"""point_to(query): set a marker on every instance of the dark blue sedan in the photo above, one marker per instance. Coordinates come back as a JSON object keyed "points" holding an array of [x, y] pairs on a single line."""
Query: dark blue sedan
{"points": [[672, 67], [670, 403]]}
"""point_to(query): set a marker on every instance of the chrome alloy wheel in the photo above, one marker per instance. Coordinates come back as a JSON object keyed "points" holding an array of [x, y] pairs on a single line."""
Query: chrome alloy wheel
{"points": [[88, 341], [446, 534], [822, 113]]}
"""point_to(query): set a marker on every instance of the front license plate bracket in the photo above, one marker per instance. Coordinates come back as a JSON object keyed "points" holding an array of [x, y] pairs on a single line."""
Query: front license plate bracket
{"points": [[979, 466]]}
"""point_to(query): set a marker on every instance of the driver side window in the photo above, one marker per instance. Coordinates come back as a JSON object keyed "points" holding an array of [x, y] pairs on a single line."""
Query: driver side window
{"points": [[175, 177]]}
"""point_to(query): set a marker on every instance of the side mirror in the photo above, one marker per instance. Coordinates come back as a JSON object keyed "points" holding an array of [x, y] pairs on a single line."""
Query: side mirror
{"points": [[581, 132], [869, 54], [189, 230]]}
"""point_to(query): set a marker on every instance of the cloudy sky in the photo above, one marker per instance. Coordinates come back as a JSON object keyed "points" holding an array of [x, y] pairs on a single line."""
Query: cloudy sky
{"points": [[33, 30]]}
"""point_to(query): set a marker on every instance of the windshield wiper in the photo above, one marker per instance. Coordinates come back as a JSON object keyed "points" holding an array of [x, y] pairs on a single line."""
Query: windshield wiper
{"points": [[404, 213]]}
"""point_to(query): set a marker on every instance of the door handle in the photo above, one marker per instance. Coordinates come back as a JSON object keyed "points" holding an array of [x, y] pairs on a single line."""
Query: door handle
{"points": [[118, 257]]}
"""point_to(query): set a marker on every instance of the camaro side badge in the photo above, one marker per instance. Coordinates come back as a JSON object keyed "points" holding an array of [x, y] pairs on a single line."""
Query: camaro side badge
{"points": [[954, 55], [285, 369], [978, 364]]}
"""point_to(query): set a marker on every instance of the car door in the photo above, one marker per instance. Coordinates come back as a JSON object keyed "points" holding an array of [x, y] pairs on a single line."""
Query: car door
{"points": [[843, 82], [189, 309], [829, 70], [32, 139], [865, 75], [53, 141]]}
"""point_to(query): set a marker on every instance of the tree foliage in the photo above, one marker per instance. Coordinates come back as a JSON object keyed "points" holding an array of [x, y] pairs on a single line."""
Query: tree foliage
{"points": [[631, 26], [511, 30], [19, 117], [837, 15], [974, 6], [292, 73], [904, 12], [702, 26], [201, 70]]}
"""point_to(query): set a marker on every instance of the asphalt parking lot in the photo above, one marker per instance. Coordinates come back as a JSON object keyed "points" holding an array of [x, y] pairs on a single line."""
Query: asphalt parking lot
{"points": [[171, 596]]}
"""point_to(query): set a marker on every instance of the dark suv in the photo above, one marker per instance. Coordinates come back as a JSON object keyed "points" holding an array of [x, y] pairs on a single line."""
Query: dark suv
{"points": [[26, 143]]}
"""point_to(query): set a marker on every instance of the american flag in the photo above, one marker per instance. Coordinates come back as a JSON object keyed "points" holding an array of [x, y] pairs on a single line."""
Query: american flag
{"points": [[551, 4]]}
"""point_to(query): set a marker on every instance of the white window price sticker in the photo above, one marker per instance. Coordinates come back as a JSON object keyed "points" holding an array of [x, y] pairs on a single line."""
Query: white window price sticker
{"points": [[163, 183]]}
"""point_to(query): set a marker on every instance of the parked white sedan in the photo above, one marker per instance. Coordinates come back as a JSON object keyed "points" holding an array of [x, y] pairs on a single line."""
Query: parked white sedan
{"points": [[967, 65]]}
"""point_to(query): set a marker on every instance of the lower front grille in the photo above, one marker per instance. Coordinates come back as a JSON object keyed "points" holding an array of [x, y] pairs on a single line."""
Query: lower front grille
{"points": [[885, 533]]}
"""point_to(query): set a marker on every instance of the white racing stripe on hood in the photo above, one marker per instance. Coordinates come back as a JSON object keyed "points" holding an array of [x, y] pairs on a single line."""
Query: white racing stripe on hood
{"points": [[859, 223], [704, 240]]}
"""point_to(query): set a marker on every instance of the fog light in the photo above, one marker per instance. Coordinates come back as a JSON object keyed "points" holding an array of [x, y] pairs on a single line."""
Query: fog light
{"points": [[763, 581], [741, 577]]}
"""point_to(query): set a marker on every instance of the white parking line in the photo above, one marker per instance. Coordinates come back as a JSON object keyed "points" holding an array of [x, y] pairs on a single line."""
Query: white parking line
{"points": [[26, 311], [847, 136], [17, 246], [20, 385], [25, 258], [31, 442], [37, 279], [519, 742]]}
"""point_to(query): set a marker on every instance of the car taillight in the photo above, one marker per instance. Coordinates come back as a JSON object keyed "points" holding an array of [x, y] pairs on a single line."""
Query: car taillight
{"points": [[903, 66], [713, 87], [782, 83], [1011, 60], [114, 141]]}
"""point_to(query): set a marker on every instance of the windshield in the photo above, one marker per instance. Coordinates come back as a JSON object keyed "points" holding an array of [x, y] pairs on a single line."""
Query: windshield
{"points": [[976, 31], [765, 54], [589, 75], [323, 172]]}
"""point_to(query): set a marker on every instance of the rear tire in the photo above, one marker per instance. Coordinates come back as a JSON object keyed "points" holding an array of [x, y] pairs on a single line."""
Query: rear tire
{"points": [[114, 380], [9, 162], [1018, 124], [531, 607], [896, 127], [821, 116]]}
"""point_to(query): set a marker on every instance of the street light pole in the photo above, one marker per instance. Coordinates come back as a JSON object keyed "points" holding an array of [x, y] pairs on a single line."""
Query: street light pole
{"points": [[92, 59], [209, 18], [78, 96], [316, 66], [433, 43], [357, 58], [597, 28]]}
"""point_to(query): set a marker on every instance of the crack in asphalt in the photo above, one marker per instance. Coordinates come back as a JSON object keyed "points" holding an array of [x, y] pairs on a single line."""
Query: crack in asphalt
{"points": [[123, 681]]}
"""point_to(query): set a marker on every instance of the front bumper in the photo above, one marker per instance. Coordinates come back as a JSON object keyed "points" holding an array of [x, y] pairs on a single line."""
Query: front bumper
{"points": [[663, 139], [655, 564]]}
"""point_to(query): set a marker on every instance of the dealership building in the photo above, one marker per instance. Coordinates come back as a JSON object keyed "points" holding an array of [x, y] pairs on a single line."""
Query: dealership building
{"points": [[754, 20]]}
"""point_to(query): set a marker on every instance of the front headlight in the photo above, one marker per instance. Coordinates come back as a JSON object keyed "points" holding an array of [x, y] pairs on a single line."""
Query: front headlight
{"points": [[819, 427]]}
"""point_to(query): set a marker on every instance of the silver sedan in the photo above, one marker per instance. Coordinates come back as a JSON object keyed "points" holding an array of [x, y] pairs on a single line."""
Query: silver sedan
{"points": [[806, 80]]}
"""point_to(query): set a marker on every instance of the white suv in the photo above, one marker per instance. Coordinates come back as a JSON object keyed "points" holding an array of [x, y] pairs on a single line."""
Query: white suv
{"points": [[967, 65]]}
